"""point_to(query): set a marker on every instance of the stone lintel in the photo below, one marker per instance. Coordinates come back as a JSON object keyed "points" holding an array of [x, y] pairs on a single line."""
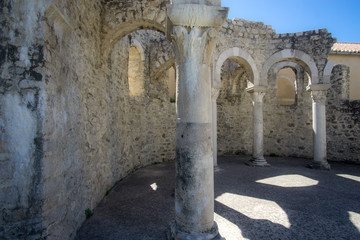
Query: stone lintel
{"points": [[256, 89], [318, 87]]}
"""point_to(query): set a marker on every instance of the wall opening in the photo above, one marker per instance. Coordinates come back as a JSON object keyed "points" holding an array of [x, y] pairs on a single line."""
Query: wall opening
{"points": [[136, 72], [171, 83], [286, 87]]}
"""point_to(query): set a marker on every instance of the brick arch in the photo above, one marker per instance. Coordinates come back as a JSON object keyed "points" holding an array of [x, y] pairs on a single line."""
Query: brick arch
{"points": [[241, 56], [122, 17], [291, 55]]}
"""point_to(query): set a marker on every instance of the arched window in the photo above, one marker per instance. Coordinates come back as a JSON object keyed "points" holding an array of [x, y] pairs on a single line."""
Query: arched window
{"points": [[286, 87], [171, 82], [136, 71]]}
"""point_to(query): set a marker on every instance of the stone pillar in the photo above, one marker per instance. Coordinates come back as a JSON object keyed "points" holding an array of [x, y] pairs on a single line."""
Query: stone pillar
{"points": [[193, 26], [257, 95], [318, 94], [214, 95]]}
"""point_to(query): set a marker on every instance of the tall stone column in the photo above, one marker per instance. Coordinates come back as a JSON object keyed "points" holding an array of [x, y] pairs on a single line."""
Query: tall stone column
{"points": [[214, 95], [193, 26], [318, 95], [257, 95]]}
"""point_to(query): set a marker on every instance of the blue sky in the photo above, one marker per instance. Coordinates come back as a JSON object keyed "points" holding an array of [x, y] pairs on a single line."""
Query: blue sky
{"points": [[340, 17]]}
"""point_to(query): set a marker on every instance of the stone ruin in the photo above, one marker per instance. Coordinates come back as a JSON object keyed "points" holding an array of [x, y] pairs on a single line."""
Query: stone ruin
{"points": [[92, 90]]}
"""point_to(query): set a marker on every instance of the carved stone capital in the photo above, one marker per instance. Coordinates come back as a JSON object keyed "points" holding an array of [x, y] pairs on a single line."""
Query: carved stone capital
{"points": [[194, 44], [257, 93], [257, 97], [318, 96]]}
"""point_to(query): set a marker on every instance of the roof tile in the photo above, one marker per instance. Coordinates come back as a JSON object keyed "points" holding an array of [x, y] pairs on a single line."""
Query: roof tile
{"points": [[346, 47]]}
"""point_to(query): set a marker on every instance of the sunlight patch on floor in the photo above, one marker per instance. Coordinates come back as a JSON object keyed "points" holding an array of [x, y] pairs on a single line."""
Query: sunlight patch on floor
{"points": [[255, 208], [355, 219], [227, 229], [288, 181], [154, 186], [352, 177]]}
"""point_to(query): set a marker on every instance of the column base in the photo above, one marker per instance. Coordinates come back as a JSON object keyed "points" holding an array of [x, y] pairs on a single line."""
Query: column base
{"points": [[258, 162], [175, 234], [319, 165]]}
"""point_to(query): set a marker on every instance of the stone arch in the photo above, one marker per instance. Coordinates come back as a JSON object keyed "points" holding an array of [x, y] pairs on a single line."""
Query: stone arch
{"points": [[164, 67], [238, 55], [294, 66], [286, 55], [121, 19], [138, 45], [328, 71], [282, 65]]}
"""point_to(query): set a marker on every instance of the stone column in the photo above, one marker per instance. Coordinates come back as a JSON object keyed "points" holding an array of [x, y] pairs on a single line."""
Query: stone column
{"points": [[318, 95], [193, 26], [257, 95], [214, 95]]}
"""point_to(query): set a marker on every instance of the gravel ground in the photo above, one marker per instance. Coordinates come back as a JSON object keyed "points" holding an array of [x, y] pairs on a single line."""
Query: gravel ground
{"points": [[284, 201]]}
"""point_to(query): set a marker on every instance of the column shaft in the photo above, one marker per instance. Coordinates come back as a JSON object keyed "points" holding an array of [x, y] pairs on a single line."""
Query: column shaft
{"points": [[194, 40], [194, 190], [257, 95], [319, 130]]}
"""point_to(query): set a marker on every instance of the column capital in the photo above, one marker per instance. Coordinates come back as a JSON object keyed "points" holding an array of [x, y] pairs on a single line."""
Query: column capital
{"points": [[319, 96], [194, 25], [257, 93], [194, 45], [318, 92]]}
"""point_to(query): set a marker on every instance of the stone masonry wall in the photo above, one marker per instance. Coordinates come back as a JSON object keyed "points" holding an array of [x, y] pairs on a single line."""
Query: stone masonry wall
{"points": [[142, 127], [343, 119], [288, 129], [69, 130], [21, 141], [235, 120], [76, 157]]}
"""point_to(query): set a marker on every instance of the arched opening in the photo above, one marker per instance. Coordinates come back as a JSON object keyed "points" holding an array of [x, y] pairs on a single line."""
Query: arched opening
{"points": [[135, 71], [234, 108], [292, 71], [171, 83], [286, 86]]}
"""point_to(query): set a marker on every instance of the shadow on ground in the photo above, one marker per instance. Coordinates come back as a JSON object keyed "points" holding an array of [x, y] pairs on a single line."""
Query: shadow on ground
{"points": [[285, 201]]}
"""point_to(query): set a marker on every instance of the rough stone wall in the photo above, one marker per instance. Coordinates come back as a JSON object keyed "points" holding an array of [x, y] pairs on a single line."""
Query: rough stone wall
{"points": [[76, 157], [21, 142], [95, 132], [343, 119], [235, 119], [288, 129], [69, 128], [281, 123], [143, 127]]}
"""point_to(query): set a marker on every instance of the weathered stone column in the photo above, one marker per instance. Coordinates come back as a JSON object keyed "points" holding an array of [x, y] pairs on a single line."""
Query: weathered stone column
{"points": [[318, 94], [257, 94], [194, 25], [214, 95]]}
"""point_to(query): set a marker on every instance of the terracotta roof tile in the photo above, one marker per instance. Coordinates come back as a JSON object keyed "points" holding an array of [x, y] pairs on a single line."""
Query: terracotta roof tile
{"points": [[346, 48]]}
